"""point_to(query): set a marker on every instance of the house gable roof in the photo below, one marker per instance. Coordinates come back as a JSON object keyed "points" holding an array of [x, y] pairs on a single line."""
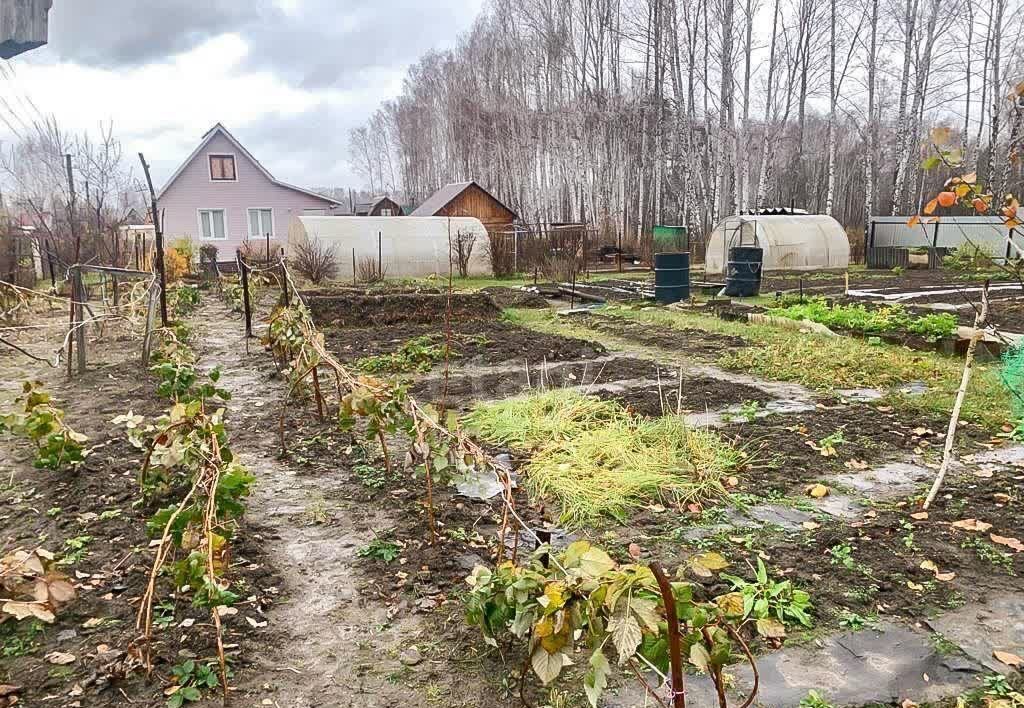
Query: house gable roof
{"points": [[447, 194], [363, 208], [219, 129]]}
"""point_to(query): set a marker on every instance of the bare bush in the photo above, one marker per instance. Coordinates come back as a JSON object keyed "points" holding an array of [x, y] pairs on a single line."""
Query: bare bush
{"points": [[501, 250], [255, 250], [369, 270], [460, 250], [315, 260]]}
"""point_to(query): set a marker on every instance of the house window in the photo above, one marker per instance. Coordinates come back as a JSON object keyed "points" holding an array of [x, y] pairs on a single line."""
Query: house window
{"points": [[261, 222], [386, 211], [212, 224], [222, 168]]}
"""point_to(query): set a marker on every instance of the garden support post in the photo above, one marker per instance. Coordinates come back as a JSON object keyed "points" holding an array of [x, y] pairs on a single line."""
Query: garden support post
{"points": [[159, 242], [243, 271], [147, 340], [677, 684], [954, 419], [78, 293]]}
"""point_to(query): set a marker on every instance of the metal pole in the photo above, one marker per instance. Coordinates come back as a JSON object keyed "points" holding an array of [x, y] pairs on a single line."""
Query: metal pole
{"points": [[268, 248], [380, 256], [355, 281]]}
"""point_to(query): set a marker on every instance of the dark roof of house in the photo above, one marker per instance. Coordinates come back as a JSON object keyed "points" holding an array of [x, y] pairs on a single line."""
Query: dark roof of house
{"points": [[368, 207], [444, 196]]}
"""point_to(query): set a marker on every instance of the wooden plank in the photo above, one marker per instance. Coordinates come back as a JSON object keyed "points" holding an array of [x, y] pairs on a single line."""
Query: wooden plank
{"points": [[23, 26]]}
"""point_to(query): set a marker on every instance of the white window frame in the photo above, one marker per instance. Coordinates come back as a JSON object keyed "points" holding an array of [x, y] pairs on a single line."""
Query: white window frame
{"points": [[248, 222], [199, 222], [209, 166]]}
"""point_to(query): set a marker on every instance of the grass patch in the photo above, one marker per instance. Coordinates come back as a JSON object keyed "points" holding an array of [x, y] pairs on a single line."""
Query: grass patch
{"points": [[597, 460], [826, 363]]}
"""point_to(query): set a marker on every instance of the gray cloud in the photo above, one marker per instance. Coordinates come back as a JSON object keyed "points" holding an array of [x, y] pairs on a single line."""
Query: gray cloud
{"points": [[120, 33], [320, 44], [308, 148]]}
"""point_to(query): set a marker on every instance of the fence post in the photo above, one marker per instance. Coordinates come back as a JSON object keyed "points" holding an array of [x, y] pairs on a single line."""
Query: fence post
{"points": [[678, 686], [355, 280], [380, 256], [79, 290], [243, 272]]}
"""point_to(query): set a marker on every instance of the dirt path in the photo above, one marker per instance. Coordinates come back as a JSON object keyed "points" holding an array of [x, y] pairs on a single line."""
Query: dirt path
{"points": [[327, 642]]}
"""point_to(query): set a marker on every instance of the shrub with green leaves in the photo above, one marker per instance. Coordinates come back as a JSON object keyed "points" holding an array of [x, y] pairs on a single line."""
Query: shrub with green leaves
{"points": [[57, 445], [583, 597]]}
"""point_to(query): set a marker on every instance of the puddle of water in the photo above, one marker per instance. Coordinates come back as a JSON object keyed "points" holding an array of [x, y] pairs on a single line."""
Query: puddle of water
{"points": [[914, 388], [783, 516], [840, 506], [1010, 455], [861, 394], [891, 480]]}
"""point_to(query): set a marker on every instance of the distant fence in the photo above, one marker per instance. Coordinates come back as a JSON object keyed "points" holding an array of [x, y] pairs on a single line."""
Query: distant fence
{"points": [[890, 239]]}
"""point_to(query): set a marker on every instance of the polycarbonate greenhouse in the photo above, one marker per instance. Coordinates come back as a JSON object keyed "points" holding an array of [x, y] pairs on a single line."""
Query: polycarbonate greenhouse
{"points": [[408, 246], [790, 242]]}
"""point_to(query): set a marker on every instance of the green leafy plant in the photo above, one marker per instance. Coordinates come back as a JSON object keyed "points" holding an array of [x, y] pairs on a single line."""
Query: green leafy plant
{"points": [[41, 421], [771, 603], [417, 354], [867, 320], [192, 679], [842, 554], [583, 596], [747, 412], [380, 549], [184, 299], [813, 699], [75, 549]]}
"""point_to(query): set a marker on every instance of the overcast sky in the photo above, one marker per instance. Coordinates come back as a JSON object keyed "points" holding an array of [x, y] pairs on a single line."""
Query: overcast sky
{"points": [[287, 77]]}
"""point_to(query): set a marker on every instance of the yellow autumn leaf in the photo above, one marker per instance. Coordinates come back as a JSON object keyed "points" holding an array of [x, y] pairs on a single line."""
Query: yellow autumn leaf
{"points": [[817, 491]]}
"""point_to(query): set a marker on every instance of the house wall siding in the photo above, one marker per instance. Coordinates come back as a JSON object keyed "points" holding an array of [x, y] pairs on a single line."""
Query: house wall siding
{"points": [[475, 202], [193, 190]]}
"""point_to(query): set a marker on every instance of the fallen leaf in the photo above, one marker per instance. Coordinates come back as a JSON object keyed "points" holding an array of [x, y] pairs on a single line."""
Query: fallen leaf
{"points": [[920, 515], [971, 525], [634, 550], [61, 658], [811, 525], [817, 491], [1008, 541], [945, 577], [703, 564], [915, 586], [1008, 658], [929, 566], [94, 622], [856, 465]]}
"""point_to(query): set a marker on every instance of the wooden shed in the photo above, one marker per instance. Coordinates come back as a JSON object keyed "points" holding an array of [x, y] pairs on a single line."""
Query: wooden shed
{"points": [[23, 26], [468, 199], [378, 206]]}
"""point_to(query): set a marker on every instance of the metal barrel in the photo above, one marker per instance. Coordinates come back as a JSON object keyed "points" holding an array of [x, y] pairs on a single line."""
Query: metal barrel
{"points": [[671, 277], [743, 271]]}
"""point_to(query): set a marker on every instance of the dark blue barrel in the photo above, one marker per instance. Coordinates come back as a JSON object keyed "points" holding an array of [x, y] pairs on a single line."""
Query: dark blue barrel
{"points": [[671, 277], [743, 271]]}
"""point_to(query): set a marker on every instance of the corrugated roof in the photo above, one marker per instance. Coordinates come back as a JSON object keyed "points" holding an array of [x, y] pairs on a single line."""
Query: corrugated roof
{"points": [[441, 198]]}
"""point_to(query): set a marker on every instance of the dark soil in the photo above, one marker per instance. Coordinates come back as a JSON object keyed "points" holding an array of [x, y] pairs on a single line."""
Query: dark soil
{"points": [[698, 393], [782, 460], [691, 342], [360, 309], [475, 342], [99, 500], [514, 297]]}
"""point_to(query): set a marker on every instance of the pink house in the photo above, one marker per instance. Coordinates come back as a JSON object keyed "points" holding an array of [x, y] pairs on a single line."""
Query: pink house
{"points": [[222, 195]]}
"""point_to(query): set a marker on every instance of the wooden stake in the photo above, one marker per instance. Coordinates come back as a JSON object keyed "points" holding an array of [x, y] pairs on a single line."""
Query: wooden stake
{"points": [[159, 242], [954, 419]]}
